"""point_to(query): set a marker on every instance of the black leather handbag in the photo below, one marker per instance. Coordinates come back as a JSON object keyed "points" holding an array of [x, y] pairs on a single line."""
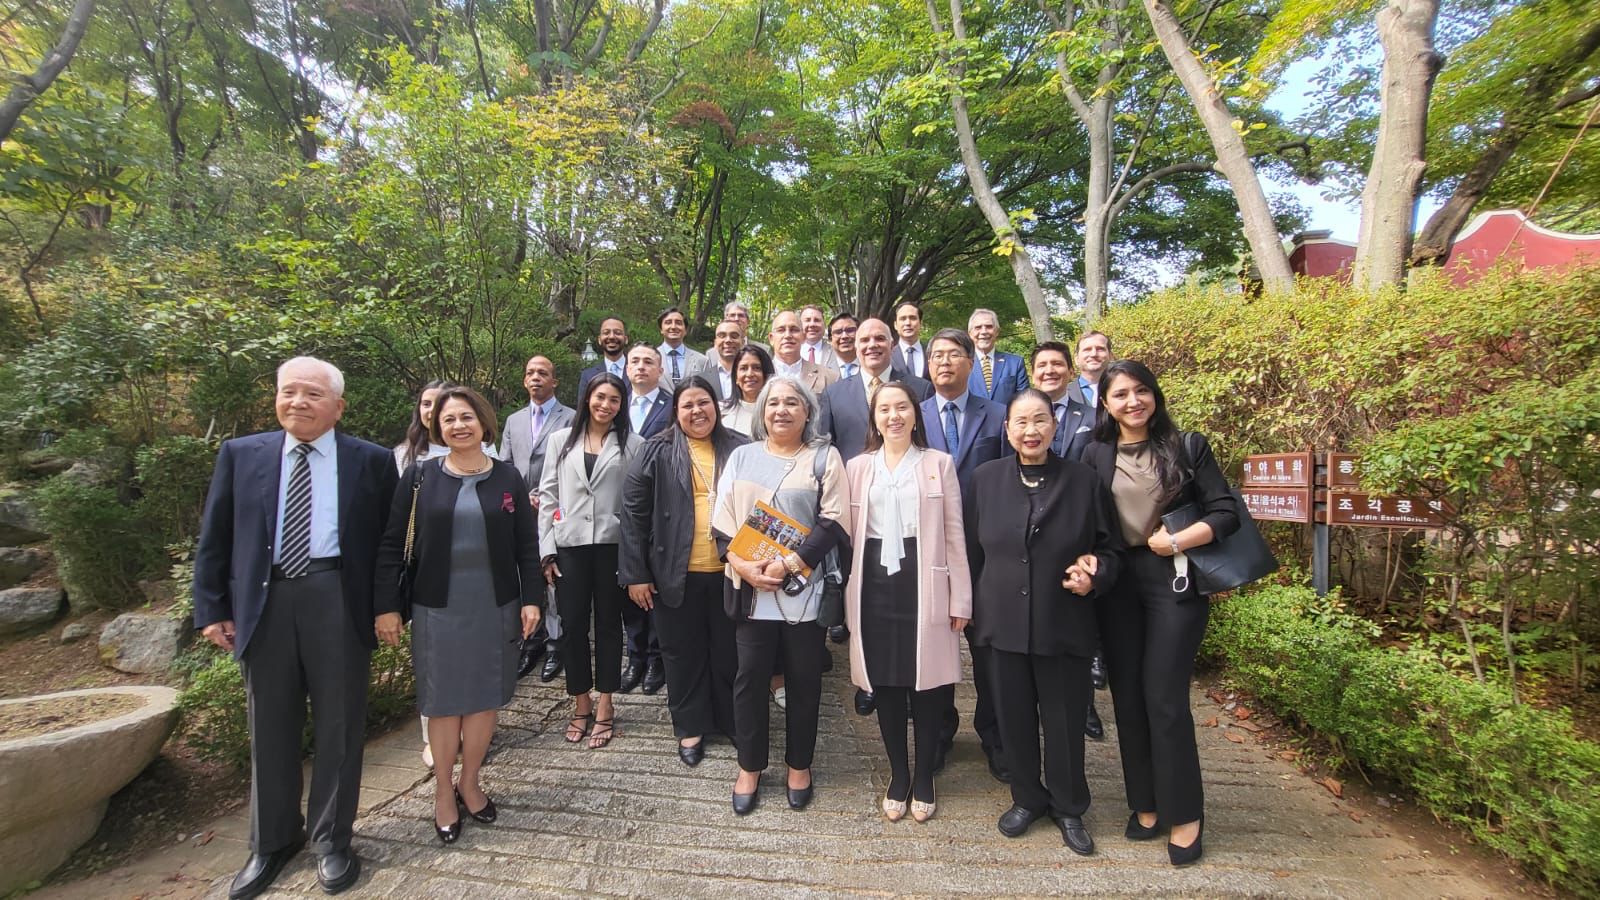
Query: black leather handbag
{"points": [[1227, 563], [408, 561]]}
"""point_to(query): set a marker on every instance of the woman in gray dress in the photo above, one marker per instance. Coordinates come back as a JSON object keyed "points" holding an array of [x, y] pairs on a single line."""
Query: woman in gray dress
{"points": [[475, 593]]}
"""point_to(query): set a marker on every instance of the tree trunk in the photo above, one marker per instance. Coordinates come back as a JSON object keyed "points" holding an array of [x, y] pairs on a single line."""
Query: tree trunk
{"points": [[1432, 246], [28, 87], [1027, 277], [1233, 161], [1389, 200]]}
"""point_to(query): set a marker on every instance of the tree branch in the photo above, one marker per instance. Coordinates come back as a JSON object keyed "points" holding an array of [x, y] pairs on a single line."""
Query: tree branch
{"points": [[29, 87]]}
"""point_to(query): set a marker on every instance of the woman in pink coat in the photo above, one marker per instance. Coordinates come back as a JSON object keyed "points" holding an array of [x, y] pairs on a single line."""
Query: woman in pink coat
{"points": [[911, 593]]}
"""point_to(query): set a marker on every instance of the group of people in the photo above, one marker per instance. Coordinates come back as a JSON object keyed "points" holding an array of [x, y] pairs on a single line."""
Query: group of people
{"points": [[944, 488]]}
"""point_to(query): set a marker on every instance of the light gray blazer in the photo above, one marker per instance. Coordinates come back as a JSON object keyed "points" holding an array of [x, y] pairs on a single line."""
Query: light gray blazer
{"points": [[516, 441], [694, 363], [575, 508]]}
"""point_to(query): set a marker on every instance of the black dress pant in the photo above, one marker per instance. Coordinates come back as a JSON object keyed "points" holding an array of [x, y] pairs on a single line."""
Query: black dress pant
{"points": [[644, 645], [1031, 690], [588, 588], [984, 721], [698, 650], [1150, 636], [305, 646], [759, 643]]}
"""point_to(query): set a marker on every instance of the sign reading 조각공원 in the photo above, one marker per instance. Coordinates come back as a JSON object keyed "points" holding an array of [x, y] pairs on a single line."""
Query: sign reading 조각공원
{"points": [[1277, 486], [1384, 511]]}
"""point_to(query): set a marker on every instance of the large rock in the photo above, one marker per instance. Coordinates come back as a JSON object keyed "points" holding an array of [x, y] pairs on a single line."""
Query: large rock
{"points": [[142, 643], [17, 564], [22, 609], [19, 521], [54, 787]]}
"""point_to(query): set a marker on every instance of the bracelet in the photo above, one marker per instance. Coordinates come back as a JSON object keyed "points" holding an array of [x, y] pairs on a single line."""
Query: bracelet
{"points": [[1175, 548], [792, 563]]}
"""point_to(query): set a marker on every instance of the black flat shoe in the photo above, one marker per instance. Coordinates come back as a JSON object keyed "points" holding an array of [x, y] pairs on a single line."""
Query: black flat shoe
{"points": [[1184, 856], [338, 870], [745, 804], [552, 666], [1015, 821], [259, 872], [1138, 832], [1074, 835], [998, 768], [448, 834], [655, 678], [487, 815], [691, 756], [866, 704], [800, 798], [1097, 672], [1093, 728]]}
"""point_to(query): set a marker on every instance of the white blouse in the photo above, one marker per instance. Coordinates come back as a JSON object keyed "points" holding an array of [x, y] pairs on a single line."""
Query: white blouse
{"points": [[893, 505]]}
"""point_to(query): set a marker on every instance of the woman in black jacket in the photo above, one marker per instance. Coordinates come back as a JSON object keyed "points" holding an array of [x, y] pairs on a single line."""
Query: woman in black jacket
{"points": [[476, 588], [1036, 515], [669, 562], [1150, 630]]}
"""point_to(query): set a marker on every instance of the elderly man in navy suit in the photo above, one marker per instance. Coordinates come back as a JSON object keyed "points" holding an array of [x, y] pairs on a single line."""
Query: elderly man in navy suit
{"points": [[283, 579], [972, 430], [996, 375]]}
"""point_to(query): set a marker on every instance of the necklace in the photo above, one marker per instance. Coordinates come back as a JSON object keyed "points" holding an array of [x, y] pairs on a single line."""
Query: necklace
{"points": [[461, 470], [1026, 481], [773, 452], [709, 485]]}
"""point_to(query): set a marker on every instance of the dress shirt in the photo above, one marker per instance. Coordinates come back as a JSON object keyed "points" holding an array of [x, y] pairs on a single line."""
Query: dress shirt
{"points": [[618, 367], [639, 407], [849, 369], [1089, 391], [813, 352], [324, 463], [725, 381], [961, 411], [779, 367], [667, 350], [915, 364]]}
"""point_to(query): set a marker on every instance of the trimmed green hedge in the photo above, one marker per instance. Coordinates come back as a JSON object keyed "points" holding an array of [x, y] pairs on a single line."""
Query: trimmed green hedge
{"points": [[1519, 777]]}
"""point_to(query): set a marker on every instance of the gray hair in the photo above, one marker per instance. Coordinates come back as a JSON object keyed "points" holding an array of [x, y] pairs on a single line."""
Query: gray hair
{"points": [[983, 312], [329, 371], [811, 434], [734, 304]]}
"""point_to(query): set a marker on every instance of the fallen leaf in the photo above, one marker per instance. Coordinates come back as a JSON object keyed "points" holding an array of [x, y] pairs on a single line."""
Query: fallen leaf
{"points": [[1234, 736], [1210, 723], [1290, 755], [1356, 817], [1215, 697], [1229, 705], [205, 839], [1242, 712], [1333, 785], [1251, 727]]}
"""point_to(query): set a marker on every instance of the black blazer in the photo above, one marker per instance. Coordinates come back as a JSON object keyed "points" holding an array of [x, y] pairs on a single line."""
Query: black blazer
{"points": [[233, 560], [1203, 483], [513, 538], [1019, 605], [654, 548]]}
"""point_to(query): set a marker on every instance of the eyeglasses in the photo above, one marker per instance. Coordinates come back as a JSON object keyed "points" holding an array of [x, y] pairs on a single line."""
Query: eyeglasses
{"points": [[839, 332], [946, 355]]}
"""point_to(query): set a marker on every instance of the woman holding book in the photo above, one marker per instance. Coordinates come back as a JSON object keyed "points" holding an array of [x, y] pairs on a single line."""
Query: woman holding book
{"points": [[670, 562], [912, 594], [800, 478]]}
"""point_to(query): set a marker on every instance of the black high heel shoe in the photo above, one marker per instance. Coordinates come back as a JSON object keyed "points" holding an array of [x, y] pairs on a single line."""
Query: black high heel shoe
{"points": [[487, 815], [1138, 832], [448, 834], [1183, 856]]}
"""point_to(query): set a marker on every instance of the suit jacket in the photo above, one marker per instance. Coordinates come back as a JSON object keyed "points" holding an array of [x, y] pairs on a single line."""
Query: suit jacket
{"points": [[983, 434], [711, 375], [1021, 557], [844, 410], [1010, 379], [592, 371], [1203, 483], [576, 508], [518, 448], [1079, 428], [826, 357], [944, 584], [899, 360], [510, 531], [694, 363], [816, 376], [660, 413], [658, 526], [1075, 391], [233, 559]]}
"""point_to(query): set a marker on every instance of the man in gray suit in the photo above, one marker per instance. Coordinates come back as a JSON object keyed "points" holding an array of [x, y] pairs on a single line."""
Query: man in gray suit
{"points": [[735, 311], [814, 346], [678, 360], [909, 354], [523, 445]]}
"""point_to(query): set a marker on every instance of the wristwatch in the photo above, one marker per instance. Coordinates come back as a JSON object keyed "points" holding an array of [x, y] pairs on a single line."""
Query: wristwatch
{"points": [[1175, 548], [791, 562]]}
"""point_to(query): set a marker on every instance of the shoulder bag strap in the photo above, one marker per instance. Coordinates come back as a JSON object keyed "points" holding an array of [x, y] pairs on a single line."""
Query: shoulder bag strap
{"points": [[411, 523]]}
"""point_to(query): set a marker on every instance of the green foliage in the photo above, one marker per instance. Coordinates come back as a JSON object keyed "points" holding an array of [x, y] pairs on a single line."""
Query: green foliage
{"points": [[173, 474], [1519, 778], [102, 545], [214, 706]]}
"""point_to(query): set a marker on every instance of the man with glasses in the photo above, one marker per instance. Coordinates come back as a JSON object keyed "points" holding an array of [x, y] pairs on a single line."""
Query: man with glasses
{"points": [[842, 335]]}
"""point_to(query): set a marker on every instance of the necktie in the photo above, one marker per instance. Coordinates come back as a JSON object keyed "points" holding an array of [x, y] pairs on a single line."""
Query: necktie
{"points": [[811, 353], [988, 373], [1091, 393], [675, 370], [1058, 445], [614, 368], [640, 404], [296, 556], [952, 432], [873, 383], [849, 370], [538, 425], [911, 361]]}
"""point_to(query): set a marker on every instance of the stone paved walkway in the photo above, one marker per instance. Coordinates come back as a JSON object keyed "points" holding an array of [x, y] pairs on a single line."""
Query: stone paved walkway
{"points": [[630, 820]]}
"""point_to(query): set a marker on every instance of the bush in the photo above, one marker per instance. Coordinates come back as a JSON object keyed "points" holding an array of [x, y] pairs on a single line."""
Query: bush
{"points": [[102, 546], [1518, 777], [173, 475], [214, 705]]}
